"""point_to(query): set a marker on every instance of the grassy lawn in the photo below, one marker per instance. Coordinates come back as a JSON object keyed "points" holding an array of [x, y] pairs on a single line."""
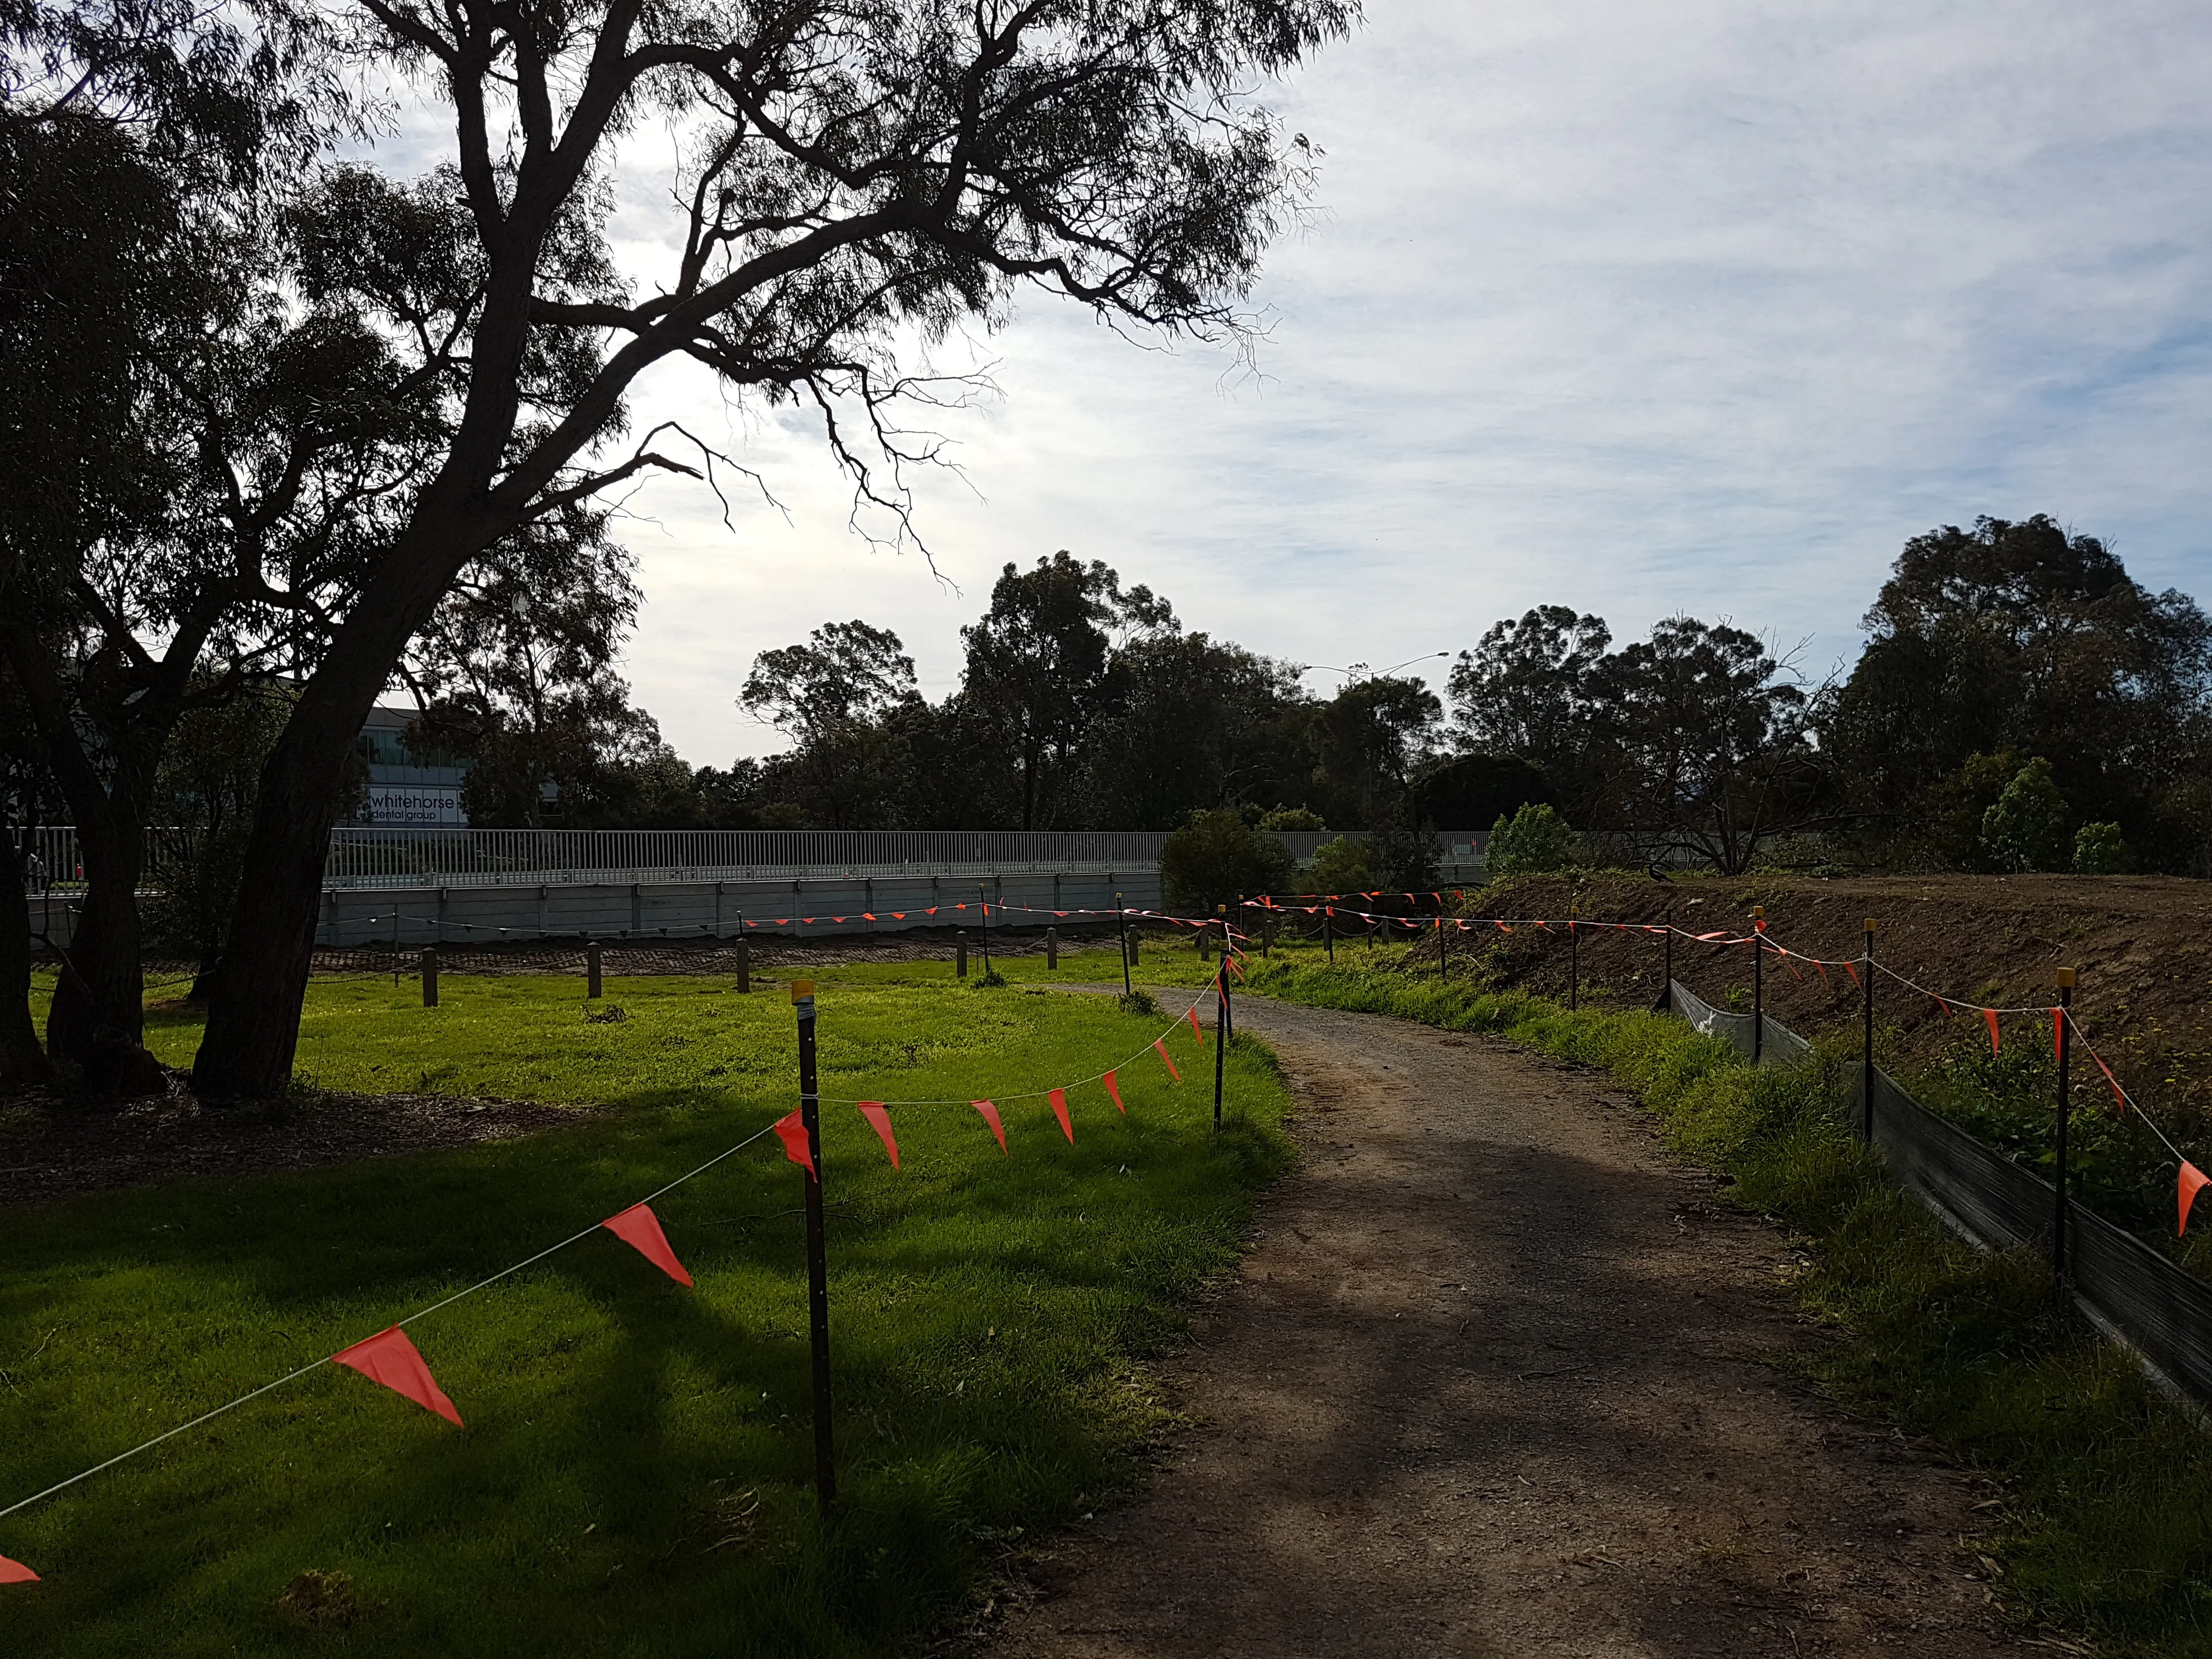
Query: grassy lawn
{"points": [[634, 1476], [2107, 1523]]}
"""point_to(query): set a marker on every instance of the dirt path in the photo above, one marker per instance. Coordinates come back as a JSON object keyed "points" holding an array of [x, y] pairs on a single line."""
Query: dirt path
{"points": [[1497, 1380]]}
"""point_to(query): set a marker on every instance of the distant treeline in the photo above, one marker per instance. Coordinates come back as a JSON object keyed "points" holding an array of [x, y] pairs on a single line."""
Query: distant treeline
{"points": [[2021, 703]]}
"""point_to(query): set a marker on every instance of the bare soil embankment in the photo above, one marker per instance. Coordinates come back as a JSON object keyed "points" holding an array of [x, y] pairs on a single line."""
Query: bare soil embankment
{"points": [[2143, 946]]}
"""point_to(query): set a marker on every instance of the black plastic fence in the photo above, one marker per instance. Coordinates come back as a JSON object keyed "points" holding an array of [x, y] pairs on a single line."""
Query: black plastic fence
{"points": [[2124, 1286]]}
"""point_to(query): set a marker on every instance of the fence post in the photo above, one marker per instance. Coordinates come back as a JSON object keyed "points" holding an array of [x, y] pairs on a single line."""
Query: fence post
{"points": [[429, 976], [960, 952], [1329, 931], [1220, 1034], [1667, 970], [2066, 977], [1121, 920], [1204, 939], [1443, 967], [817, 1258], [1866, 1057], [1758, 980], [591, 967], [985, 891], [1574, 962], [1051, 948], [744, 962]]}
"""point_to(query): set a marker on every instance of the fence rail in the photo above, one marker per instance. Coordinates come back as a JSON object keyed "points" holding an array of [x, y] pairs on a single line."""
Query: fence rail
{"points": [[369, 855], [2125, 1287]]}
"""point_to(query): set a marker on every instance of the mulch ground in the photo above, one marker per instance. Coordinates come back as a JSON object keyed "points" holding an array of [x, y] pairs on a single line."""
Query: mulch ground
{"points": [[51, 1149]]}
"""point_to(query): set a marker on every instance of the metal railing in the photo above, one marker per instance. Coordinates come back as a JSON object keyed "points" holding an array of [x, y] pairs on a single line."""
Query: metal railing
{"points": [[377, 855], [371, 856]]}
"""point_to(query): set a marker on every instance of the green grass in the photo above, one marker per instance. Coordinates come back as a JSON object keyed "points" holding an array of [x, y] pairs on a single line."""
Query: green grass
{"points": [[2107, 1522], [634, 1479]]}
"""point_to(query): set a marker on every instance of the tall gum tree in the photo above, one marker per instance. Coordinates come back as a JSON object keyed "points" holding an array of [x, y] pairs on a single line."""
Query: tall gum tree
{"points": [[858, 172]]}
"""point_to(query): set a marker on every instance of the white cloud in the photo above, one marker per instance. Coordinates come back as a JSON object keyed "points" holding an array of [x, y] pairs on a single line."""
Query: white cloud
{"points": [[1701, 306]]}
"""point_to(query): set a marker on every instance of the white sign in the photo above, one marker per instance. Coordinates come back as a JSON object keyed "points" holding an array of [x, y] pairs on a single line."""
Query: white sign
{"points": [[417, 803]]}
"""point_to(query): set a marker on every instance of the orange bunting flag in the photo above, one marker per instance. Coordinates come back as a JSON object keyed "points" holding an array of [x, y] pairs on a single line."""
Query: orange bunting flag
{"points": [[15, 1572], [390, 1358], [1852, 969], [791, 1131], [1196, 1030], [1503, 928], [2119, 1098], [867, 916], [880, 1120], [1113, 1093], [1820, 967], [1060, 1111], [2057, 1015], [1990, 1016], [991, 1116], [640, 1229], [1161, 1048], [1941, 1006], [1723, 933], [1238, 966], [2192, 1180]]}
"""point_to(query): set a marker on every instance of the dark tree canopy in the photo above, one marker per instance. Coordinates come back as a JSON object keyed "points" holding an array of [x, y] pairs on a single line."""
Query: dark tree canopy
{"points": [[2023, 640]]}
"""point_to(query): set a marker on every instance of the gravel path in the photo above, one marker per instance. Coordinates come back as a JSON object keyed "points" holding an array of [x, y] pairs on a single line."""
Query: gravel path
{"points": [[1499, 1379]]}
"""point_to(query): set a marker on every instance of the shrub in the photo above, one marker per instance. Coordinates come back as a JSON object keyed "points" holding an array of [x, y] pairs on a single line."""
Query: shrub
{"points": [[1342, 865], [1291, 817], [1534, 838], [2025, 829], [2099, 850], [1217, 859]]}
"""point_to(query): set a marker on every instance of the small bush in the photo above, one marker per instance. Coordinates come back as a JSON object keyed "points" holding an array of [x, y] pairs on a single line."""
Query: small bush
{"points": [[1218, 858], [2099, 850], [1292, 817], [1342, 865], [2025, 829], [1534, 838]]}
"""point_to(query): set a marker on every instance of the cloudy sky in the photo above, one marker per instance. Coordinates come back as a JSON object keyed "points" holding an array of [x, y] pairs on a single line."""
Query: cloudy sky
{"points": [[1699, 308]]}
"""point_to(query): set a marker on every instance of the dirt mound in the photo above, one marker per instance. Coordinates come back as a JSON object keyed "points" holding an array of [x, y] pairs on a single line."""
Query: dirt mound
{"points": [[2143, 946]]}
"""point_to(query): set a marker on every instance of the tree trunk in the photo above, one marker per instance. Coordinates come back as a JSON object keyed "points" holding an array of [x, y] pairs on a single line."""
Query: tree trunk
{"points": [[22, 1061], [261, 982]]}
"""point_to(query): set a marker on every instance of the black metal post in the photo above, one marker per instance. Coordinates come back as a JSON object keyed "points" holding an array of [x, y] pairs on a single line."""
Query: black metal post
{"points": [[1051, 948], [1121, 916], [591, 986], [2065, 1056], [817, 1258], [1866, 1043], [1574, 966], [429, 976], [986, 929], [1329, 931], [1444, 968], [1758, 981], [1221, 1035], [1666, 971], [744, 959]]}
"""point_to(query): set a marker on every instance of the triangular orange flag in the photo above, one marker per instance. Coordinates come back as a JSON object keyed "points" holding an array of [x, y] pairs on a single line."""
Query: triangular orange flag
{"points": [[881, 1121], [15, 1572], [1113, 1090], [1852, 969], [390, 1358], [2119, 1097], [2192, 1179], [2057, 1015], [1162, 1050], [1990, 1016], [1060, 1111], [791, 1131], [640, 1229], [1195, 1029], [991, 1116]]}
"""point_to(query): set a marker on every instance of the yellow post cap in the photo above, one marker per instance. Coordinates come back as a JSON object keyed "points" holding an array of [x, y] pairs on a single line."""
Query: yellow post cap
{"points": [[801, 989], [1870, 924], [2066, 977]]}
